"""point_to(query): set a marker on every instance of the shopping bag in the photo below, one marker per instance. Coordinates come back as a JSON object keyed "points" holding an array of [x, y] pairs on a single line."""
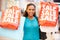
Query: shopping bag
{"points": [[48, 15], [10, 18]]}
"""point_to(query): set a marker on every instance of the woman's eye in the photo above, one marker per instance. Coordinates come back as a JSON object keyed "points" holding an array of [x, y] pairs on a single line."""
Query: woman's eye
{"points": [[29, 9]]}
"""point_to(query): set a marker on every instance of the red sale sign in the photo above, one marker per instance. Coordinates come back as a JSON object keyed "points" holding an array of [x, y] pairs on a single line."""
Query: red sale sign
{"points": [[10, 18], [48, 15]]}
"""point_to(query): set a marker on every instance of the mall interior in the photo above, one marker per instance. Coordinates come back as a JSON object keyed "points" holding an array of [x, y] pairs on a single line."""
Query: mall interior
{"points": [[52, 33]]}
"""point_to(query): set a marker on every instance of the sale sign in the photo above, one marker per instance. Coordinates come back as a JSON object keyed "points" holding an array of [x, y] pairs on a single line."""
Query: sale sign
{"points": [[48, 15], [11, 18]]}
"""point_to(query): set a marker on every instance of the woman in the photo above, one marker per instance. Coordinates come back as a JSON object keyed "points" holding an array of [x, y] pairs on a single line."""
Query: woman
{"points": [[31, 28]]}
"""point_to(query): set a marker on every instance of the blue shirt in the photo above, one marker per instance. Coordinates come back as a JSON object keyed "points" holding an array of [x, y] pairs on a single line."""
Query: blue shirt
{"points": [[31, 29]]}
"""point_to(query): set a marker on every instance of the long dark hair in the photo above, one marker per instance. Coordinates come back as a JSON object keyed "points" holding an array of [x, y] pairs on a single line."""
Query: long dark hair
{"points": [[26, 14]]}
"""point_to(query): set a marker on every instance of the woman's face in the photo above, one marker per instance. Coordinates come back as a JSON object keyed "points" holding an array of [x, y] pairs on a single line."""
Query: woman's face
{"points": [[30, 10]]}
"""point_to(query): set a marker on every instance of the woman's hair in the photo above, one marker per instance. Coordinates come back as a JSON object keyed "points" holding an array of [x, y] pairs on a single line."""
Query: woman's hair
{"points": [[26, 14]]}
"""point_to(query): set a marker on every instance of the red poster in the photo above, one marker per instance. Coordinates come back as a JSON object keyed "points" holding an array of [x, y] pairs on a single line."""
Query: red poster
{"points": [[48, 15], [11, 18]]}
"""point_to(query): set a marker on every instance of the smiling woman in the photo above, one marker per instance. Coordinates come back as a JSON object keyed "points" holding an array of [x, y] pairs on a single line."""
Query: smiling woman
{"points": [[31, 27]]}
